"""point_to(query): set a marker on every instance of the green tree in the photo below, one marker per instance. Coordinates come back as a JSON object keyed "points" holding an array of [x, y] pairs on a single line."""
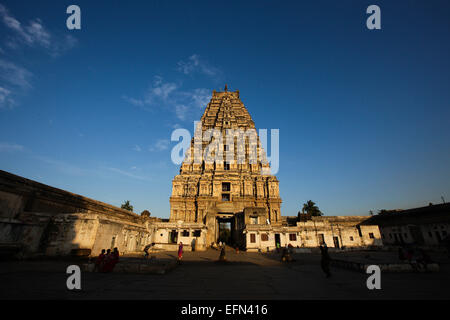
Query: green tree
{"points": [[127, 206], [311, 208]]}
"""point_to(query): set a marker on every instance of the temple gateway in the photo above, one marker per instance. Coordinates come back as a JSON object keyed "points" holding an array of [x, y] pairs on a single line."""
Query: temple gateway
{"points": [[225, 192], [233, 198]]}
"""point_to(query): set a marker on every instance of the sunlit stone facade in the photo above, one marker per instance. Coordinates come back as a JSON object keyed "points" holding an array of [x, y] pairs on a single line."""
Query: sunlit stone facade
{"points": [[211, 190]]}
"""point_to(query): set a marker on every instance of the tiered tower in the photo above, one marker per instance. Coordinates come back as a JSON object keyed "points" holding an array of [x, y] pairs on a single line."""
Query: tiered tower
{"points": [[239, 191]]}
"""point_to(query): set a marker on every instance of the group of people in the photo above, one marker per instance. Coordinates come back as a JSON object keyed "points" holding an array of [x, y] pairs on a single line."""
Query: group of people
{"points": [[221, 257], [107, 260], [418, 258]]}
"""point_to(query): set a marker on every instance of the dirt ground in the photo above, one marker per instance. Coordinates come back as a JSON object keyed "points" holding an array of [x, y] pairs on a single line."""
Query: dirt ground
{"points": [[243, 276]]}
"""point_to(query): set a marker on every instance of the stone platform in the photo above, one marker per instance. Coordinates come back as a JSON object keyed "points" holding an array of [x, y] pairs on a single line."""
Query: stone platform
{"points": [[385, 267], [140, 265], [388, 261]]}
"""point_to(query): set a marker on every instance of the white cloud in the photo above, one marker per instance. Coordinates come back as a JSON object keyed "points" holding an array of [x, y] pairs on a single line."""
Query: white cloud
{"points": [[38, 33], [136, 102], [160, 91], [13, 78], [199, 98], [159, 94], [160, 145], [181, 111], [14, 74], [169, 95], [34, 34], [6, 101], [137, 148], [65, 167], [195, 64], [127, 174], [63, 45], [189, 66], [10, 147], [73, 170]]}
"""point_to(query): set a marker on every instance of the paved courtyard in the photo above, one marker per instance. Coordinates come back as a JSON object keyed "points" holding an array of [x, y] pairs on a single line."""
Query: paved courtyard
{"points": [[244, 276]]}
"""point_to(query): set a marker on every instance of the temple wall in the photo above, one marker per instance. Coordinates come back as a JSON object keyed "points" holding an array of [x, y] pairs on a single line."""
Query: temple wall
{"points": [[269, 242], [431, 233], [334, 231], [49, 221], [185, 233]]}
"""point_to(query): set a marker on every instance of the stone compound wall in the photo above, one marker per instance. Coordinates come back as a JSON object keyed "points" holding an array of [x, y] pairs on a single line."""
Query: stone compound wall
{"points": [[185, 233], [349, 232], [432, 233], [50, 221], [428, 225]]}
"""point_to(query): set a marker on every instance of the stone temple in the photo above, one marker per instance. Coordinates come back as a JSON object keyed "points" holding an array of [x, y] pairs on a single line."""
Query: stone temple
{"points": [[224, 192]]}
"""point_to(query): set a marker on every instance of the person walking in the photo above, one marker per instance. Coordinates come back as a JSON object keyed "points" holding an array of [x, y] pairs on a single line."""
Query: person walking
{"points": [[222, 254], [147, 247], [180, 252], [325, 261]]}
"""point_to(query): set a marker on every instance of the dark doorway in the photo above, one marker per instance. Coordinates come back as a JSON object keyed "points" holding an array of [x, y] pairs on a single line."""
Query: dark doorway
{"points": [[321, 239], [50, 230], [226, 232], [336, 242], [173, 236], [277, 240]]}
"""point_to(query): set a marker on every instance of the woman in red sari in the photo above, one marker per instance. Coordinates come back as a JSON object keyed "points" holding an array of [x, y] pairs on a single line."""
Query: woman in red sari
{"points": [[180, 252], [99, 261]]}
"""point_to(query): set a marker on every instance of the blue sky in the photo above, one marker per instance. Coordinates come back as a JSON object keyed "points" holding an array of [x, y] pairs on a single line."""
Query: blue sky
{"points": [[363, 115]]}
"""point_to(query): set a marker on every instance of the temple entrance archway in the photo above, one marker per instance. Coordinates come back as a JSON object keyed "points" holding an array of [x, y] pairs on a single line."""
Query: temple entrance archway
{"points": [[225, 231]]}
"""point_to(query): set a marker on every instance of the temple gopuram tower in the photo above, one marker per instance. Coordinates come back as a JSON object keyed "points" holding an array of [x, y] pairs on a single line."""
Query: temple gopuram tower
{"points": [[231, 186]]}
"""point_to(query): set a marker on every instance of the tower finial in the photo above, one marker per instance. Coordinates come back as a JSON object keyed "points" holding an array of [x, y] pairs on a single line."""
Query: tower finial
{"points": [[226, 88]]}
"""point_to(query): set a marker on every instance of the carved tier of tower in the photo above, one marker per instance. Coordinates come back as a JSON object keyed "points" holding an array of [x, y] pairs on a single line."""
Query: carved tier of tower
{"points": [[205, 190]]}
